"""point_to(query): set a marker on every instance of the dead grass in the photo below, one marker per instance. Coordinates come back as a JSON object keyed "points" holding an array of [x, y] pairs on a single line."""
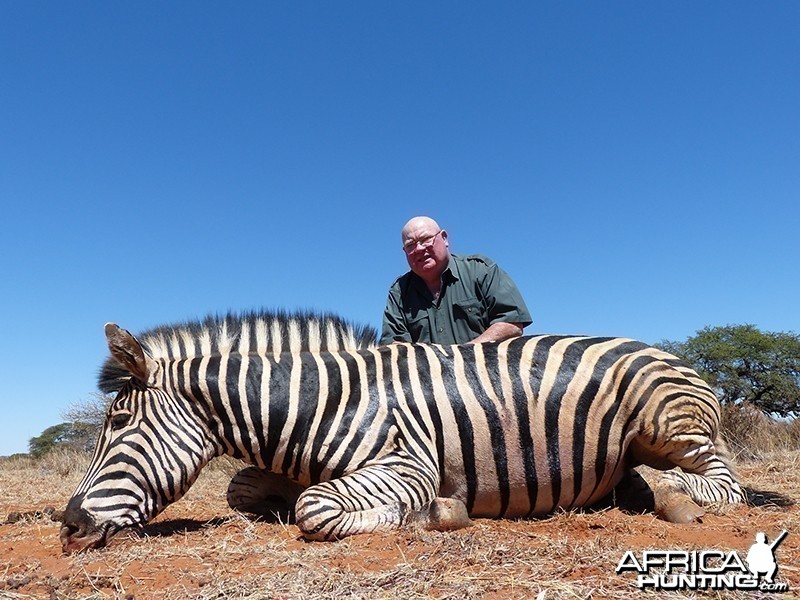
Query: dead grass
{"points": [[201, 549], [752, 435]]}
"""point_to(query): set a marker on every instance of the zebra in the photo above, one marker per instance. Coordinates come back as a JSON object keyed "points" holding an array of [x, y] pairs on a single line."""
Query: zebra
{"points": [[374, 438]]}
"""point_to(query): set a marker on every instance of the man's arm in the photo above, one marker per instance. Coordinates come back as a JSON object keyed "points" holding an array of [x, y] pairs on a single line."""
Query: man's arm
{"points": [[498, 332], [394, 325], [508, 314]]}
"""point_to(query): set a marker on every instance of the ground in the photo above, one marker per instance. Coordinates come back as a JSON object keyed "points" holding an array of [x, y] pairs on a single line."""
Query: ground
{"points": [[199, 548]]}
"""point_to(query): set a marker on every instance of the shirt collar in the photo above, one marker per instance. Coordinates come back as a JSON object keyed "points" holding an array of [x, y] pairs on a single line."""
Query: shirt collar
{"points": [[451, 270]]}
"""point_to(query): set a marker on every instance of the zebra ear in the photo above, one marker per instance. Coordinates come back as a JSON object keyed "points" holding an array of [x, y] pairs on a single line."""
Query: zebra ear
{"points": [[127, 350]]}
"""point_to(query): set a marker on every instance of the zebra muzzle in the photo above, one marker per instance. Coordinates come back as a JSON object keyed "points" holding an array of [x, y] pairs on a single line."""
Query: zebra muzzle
{"points": [[79, 531]]}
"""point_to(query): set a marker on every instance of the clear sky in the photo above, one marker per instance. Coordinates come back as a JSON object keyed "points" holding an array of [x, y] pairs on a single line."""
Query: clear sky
{"points": [[635, 166]]}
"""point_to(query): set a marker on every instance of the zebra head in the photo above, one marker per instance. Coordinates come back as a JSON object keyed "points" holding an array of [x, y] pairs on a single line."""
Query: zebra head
{"points": [[150, 451]]}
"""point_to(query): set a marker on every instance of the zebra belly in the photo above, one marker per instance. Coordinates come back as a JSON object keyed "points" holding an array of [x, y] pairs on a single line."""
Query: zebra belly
{"points": [[488, 500], [512, 481]]}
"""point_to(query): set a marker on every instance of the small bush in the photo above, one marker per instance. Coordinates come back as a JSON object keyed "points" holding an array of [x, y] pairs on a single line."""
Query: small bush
{"points": [[751, 434], [17, 462], [64, 462]]}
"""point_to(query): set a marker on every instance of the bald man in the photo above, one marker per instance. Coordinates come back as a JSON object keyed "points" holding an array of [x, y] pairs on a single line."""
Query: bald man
{"points": [[447, 298]]}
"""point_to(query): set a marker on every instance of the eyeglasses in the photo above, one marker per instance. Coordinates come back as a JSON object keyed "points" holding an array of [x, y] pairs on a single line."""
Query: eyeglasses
{"points": [[426, 242]]}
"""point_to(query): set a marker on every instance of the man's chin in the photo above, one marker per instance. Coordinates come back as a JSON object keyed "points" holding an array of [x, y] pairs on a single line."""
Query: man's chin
{"points": [[425, 265]]}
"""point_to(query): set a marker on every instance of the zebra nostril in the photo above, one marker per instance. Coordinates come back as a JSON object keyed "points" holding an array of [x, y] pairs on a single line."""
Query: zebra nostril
{"points": [[76, 520], [67, 532]]}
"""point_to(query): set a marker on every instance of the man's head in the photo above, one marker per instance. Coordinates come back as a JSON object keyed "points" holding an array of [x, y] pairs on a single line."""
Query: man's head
{"points": [[426, 247]]}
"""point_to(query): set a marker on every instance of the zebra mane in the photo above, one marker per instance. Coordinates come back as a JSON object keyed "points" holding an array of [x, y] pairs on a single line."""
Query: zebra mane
{"points": [[263, 331]]}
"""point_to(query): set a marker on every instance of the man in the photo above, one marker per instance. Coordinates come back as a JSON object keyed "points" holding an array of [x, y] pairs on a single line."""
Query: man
{"points": [[447, 298]]}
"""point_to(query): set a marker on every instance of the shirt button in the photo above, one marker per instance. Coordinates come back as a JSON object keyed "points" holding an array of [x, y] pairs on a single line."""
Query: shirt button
{"points": [[441, 329], [469, 310]]}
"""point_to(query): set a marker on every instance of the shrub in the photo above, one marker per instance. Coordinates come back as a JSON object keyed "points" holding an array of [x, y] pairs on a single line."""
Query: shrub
{"points": [[751, 434]]}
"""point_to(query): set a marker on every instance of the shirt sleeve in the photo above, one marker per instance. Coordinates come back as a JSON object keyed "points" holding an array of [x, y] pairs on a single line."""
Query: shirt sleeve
{"points": [[394, 324], [502, 298]]}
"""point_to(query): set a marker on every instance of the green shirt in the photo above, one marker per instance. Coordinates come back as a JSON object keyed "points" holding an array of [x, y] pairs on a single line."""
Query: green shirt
{"points": [[475, 294]]}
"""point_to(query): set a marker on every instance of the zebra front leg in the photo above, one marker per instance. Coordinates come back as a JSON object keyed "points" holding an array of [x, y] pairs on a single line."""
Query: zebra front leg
{"points": [[253, 490], [374, 498], [705, 479]]}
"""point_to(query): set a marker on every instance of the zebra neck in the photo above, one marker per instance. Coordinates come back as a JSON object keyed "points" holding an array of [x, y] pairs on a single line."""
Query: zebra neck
{"points": [[255, 406]]}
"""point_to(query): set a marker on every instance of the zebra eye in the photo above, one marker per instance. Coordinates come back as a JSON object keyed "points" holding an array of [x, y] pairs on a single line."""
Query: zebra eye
{"points": [[120, 419]]}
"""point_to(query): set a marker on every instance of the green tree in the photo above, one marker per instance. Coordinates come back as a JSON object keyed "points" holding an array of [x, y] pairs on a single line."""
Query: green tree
{"points": [[84, 420], [47, 440], [75, 435], [744, 364]]}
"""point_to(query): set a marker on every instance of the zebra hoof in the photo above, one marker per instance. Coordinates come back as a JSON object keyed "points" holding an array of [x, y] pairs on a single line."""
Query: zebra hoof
{"points": [[680, 510]]}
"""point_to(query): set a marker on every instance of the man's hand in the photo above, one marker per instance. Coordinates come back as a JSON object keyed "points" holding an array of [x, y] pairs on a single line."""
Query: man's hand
{"points": [[499, 332]]}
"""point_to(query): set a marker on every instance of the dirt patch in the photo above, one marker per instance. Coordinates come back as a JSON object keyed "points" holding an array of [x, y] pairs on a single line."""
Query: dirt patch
{"points": [[199, 548]]}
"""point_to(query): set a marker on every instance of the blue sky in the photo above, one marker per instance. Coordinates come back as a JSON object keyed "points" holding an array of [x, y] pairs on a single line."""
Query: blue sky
{"points": [[635, 166]]}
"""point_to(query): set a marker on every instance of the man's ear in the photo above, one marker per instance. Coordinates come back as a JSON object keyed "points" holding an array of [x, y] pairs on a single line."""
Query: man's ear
{"points": [[444, 238], [128, 352]]}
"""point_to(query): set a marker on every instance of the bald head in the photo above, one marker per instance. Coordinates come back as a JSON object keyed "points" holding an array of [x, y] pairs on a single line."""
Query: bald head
{"points": [[427, 249], [418, 224]]}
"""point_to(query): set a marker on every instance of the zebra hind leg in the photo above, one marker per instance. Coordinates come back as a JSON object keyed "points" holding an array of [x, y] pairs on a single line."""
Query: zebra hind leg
{"points": [[255, 491], [704, 479], [374, 498], [631, 495]]}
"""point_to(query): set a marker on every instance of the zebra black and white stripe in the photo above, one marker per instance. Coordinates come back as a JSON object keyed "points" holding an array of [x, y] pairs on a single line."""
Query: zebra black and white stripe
{"points": [[378, 436]]}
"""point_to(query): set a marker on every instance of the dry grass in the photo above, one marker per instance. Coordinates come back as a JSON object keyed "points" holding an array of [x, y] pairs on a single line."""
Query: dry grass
{"points": [[201, 549], [752, 435]]}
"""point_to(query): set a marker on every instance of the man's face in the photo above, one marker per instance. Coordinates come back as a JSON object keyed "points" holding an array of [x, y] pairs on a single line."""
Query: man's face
{"points": [[427, 249]]}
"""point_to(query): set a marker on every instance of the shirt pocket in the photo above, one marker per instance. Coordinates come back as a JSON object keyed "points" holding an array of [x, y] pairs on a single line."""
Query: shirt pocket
{"points": [[419, 327], [470, 310]]}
